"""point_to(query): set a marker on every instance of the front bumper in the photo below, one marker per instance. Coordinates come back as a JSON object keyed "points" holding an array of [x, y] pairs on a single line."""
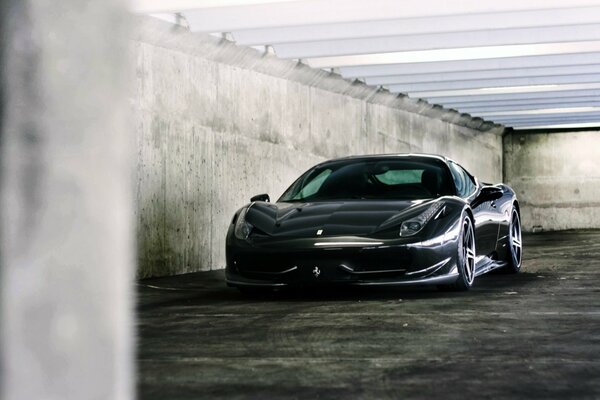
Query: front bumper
{"points": [[341, 261]]}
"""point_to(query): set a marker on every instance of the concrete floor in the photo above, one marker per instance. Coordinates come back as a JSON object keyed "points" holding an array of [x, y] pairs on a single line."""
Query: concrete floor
{"points": [[533, 335]]}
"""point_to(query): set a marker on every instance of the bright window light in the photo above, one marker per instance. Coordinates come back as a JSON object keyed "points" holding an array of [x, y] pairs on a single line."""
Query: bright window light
{"points": [[468, 53]]}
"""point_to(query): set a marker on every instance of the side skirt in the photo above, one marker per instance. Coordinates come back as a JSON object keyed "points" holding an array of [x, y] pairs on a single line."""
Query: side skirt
{"points": [[489, 265]]}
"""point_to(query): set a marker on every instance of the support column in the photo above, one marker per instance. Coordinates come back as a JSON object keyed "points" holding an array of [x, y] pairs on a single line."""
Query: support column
{"points": [[66, 205]]}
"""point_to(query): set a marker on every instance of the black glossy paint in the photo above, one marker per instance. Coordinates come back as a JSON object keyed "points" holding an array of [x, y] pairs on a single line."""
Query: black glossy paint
{"points": [[357, 241]]}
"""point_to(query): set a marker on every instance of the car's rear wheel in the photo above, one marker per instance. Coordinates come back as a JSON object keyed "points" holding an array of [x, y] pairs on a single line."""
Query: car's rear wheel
{"points": [[515, 243], [466, 257]]}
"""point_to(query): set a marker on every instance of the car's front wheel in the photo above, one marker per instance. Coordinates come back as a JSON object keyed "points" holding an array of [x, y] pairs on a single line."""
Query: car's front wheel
{"points": [[465, 258], [515, 242]]}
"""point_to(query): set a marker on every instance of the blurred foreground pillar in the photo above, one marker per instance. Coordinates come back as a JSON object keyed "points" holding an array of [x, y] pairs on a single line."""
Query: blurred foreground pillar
{"points": [[66, 254]]}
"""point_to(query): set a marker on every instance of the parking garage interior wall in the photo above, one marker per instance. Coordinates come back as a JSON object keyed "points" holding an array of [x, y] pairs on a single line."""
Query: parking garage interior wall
{"points": [[557, 178], [217, 123]]}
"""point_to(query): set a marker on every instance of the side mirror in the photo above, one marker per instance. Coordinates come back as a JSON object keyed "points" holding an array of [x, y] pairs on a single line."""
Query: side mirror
{"points": [[490, 193], [261, 197]]}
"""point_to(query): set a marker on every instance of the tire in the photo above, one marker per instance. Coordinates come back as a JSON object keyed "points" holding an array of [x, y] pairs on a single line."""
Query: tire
{"points": [[465, 258], [515, 243]]}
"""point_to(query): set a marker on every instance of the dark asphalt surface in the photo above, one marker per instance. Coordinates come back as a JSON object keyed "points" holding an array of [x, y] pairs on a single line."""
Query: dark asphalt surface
{"points": [[533, 335]]}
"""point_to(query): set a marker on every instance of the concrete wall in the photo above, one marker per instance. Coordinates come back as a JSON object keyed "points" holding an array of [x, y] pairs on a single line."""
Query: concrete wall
{"points": [[66, 201], [557, 178], [217, 123]]}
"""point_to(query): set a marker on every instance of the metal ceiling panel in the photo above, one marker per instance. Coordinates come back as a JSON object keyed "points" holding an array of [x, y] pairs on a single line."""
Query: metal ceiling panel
{"points": [[485, 74], [496, 83], [417, 26], [433, 41], [509, 97], [523, 102], [483, 110], [309, 12], [456, 54], [509, 90], [493, 64]]}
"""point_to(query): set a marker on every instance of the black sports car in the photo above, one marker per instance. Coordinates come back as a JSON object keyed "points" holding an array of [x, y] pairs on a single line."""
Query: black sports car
{"points": [[376, 220]]}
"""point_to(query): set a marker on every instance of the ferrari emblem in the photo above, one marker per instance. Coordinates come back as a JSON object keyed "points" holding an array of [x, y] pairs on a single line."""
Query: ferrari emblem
{"points": [[316, 272], [319, 232]]}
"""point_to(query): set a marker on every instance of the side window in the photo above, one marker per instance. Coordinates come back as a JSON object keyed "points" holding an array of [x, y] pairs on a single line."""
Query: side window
{"points": [[458, 179], [463, 181], [471, 187]]}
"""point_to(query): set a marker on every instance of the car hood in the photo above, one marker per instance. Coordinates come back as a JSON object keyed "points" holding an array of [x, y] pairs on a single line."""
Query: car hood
{"points": [[338, 218]]}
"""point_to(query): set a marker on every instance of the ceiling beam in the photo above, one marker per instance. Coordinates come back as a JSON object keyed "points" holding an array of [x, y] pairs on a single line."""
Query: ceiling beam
{"points": [[486, 74], [496, 83], [544, 120], [415, 26], [540, 112], [434, 41], [551, 122], [524, 107], [491, 97], [502, 90], [307, 12], [455, 54], [493, 64], [564, 125], [522, 103], [546, 124], [548, 118]]}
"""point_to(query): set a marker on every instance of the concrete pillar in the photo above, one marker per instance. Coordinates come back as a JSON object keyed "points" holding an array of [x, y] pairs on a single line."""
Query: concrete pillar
{"points": [[66, 252]]}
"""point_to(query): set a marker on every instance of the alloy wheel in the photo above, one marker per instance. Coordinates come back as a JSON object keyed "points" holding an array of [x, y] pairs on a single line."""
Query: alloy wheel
{"points": [[515, 238], [468, 248]]}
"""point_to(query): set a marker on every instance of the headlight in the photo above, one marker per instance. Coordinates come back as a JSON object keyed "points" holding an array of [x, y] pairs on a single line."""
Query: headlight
{"points": [[414, 225], [243, 228]]}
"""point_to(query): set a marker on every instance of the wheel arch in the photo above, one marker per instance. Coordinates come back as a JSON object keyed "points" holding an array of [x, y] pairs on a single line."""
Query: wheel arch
{"points": [[469, 212], [517, 207]]}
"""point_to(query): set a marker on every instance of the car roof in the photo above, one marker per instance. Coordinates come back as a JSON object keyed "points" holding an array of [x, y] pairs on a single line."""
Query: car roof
{"points": [[370, 157]]}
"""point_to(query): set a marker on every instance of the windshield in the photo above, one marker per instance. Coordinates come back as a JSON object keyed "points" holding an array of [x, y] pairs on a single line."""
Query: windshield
{"points": [[372, 179]]}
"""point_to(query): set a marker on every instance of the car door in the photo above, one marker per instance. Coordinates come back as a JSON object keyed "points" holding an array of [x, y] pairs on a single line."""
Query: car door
{"points": [[484, 212]]}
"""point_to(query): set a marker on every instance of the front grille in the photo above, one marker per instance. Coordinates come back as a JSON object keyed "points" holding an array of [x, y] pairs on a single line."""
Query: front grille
{"points": [[347, 262]]}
